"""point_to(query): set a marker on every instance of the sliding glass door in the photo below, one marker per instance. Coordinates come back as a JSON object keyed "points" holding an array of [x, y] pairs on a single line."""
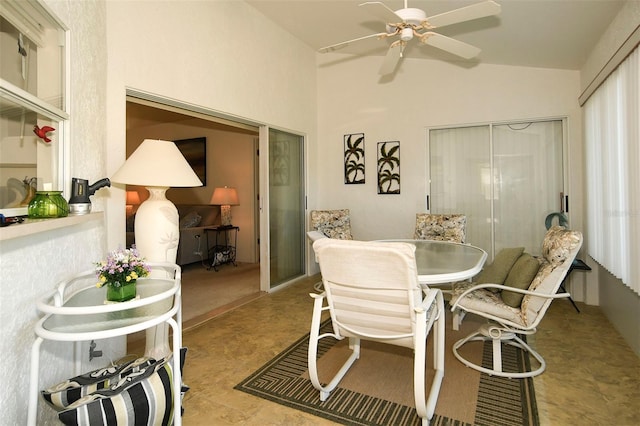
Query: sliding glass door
{"points": [[505, 177], [286, 207]]}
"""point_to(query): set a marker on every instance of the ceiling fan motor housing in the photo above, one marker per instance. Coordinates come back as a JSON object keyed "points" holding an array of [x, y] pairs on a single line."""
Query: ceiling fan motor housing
{"points": [[412, 16]]}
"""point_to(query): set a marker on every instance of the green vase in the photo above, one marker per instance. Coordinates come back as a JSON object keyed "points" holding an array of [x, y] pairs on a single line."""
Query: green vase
{"points": [[48, 204], [122, 293]]}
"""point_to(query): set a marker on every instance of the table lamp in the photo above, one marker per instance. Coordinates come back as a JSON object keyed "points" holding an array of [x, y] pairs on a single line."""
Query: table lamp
{"points": [[225, 198], [157, 165], [133, 199]]}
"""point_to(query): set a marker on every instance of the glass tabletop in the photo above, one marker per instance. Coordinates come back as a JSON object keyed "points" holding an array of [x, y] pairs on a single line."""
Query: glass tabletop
{"points": [[85, 313], [443, 262]]}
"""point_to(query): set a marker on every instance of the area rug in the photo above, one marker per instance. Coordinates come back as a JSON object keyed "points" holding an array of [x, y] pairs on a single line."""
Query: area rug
{"points": [[378, 389]]}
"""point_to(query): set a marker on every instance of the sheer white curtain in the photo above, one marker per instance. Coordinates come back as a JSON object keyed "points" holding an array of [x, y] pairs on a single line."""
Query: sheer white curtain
{"points": [[506, 178], [612, 138]]}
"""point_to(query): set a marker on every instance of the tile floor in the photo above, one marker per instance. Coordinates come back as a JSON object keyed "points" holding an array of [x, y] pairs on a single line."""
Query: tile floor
{"points": [[592, 376]]}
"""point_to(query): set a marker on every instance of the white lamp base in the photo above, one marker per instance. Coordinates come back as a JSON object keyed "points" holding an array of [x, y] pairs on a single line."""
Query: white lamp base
{"points": [[157, 236]]}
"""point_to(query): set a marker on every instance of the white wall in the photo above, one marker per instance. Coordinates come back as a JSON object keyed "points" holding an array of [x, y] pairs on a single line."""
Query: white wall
{"points": [[31, 266], [221, 55], [423, 94]]}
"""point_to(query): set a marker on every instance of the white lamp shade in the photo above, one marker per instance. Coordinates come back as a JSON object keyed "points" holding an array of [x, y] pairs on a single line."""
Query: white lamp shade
{"points": [[157, 163], [225, 197]]}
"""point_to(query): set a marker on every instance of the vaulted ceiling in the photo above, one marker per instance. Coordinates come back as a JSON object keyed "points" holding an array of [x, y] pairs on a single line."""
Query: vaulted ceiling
{"points": [[535, 33]]}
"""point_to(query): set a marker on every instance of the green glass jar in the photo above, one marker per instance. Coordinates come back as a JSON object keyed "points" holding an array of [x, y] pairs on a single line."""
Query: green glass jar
{"points": [[48, 204]]}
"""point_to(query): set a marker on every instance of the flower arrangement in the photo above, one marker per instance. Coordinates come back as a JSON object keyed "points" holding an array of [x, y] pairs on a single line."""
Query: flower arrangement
{"points": [[121, 268]]}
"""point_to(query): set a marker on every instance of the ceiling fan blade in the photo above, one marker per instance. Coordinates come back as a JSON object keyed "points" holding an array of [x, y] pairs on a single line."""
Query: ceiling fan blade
{"points": [[450, 45], [392, 58], [381, 11], [346, 43], [468, 13]]}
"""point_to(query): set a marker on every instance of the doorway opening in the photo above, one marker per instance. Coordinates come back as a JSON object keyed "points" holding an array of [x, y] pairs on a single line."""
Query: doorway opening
{"points": [[231, 160]]}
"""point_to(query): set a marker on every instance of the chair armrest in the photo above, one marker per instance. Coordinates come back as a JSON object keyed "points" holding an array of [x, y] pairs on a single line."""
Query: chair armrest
{"points": [[505, 287], [430, 296]]}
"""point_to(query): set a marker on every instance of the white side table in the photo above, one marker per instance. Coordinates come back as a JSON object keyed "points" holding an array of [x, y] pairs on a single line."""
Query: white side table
{"points": [[76, 312]]}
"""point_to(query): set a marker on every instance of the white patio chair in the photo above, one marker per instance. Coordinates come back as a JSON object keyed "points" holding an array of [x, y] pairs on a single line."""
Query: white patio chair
{"points": [[372, 293], [506, 322]]}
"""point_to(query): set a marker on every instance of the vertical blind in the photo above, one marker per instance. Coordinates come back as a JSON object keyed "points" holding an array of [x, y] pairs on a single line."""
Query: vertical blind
{"points": [[612, 138]]}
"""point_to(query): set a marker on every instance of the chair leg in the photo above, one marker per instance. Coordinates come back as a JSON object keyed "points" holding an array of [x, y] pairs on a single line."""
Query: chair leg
{"points": [[458, 316], [498, 338], [425, 407], [312, 355]]}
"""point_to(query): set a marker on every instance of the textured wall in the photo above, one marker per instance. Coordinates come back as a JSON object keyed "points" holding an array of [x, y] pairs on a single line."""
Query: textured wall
{"points": [[221, 55], [31, 266]]}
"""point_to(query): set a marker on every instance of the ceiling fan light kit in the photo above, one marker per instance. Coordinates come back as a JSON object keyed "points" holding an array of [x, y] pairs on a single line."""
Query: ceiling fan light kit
{"points": [[408, 22]]}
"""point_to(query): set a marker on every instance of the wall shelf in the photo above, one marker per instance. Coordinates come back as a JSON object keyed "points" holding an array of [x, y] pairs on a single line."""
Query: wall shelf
{"points": [[36, 226]]}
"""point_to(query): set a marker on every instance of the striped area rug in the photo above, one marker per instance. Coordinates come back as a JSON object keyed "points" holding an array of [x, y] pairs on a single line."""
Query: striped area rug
{"points": [[373, 400]]}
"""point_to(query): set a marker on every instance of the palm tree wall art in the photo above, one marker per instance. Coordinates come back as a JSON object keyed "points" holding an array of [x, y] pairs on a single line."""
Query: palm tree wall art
{"points": [[389, 167], [354, 158]]}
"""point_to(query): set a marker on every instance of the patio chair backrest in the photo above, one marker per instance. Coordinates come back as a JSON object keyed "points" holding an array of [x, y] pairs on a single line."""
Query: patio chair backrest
{"points": [[371, 288]]}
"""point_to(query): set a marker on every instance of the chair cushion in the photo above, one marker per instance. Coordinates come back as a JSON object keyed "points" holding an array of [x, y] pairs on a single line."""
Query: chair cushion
{"points": [[520, 276], [559, 245], [440, 227], [483, 300], [497, 272], [332, 223]]}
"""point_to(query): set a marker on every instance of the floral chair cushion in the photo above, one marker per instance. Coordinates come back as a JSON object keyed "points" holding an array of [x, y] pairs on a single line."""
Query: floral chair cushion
{"points": [[440, 227], [559, 246], [332, 223], [485, 300]]}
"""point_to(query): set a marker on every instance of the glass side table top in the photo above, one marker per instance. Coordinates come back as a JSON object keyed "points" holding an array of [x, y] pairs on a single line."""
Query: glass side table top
{"points": [[84, 313], [443, 262]]}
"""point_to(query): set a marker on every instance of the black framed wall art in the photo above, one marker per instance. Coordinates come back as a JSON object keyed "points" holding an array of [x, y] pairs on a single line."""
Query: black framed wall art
{"points": [[354, 158], [389, 167]]}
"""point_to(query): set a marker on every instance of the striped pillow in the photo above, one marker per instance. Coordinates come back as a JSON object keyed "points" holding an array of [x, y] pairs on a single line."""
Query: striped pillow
{"points": [[66, 393], [142, 398]]}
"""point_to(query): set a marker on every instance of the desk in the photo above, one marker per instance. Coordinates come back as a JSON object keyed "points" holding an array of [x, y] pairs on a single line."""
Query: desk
{"points": [[442, 262], [224, 249], [76, 312]]}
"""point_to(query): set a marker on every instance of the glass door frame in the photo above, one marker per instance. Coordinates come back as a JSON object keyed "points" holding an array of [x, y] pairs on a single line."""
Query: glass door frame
{"points": [[264, 208]]}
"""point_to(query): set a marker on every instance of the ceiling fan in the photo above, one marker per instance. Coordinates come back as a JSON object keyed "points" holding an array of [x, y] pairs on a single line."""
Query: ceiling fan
{"points": [[409, 22]]}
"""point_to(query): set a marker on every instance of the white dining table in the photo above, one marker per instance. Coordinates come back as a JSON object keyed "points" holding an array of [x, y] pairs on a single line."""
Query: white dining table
{"points": [[442, 262]]}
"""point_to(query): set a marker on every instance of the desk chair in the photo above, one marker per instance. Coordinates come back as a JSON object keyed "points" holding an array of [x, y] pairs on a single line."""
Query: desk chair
{"points": [[372, 293]]}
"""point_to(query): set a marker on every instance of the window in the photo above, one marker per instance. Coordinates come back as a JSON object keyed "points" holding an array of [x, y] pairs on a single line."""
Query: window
{"points": [[612, 138], [33, 117]]}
